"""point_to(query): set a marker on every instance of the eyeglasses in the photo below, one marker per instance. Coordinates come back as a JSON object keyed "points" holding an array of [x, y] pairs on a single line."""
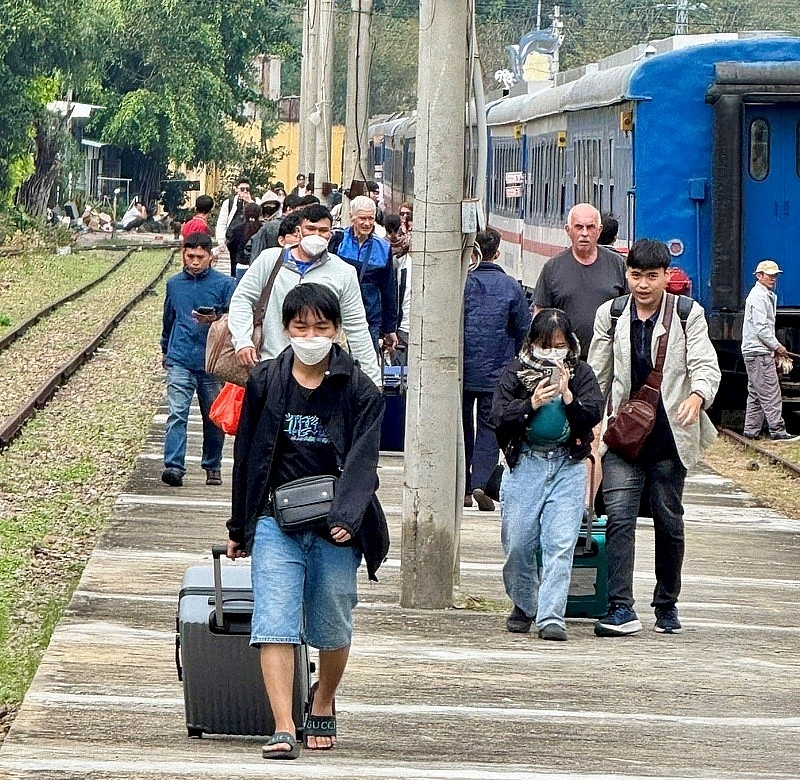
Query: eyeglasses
{"points": [[243, 189], [405, 213]]}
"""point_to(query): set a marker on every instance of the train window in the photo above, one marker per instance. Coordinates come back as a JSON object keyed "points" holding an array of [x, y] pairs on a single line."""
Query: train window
{"points": [[759, 149]]}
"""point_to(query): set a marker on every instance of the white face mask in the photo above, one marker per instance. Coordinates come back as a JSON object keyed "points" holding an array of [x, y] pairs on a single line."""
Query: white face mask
{"points": [[551, 353], [311, 350], [313, 245]]}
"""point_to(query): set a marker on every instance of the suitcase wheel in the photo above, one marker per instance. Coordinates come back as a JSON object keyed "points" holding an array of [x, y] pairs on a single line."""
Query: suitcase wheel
{"points": [[195, 732]]}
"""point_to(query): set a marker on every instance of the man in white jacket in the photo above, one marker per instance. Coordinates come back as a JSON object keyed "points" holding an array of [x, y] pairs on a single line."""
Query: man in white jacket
{"points": [[759, 348], [309, 261], [622, 355]]}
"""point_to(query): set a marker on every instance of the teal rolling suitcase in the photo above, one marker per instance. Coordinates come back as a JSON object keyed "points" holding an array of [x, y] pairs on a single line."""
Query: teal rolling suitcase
{"points": [[588, 589]]}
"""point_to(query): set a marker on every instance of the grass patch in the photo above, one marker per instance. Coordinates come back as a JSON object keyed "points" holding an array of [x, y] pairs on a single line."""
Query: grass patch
{"points": [[58, 482]]}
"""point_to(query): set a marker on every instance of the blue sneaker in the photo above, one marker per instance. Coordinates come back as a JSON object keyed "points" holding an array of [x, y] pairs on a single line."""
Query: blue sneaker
{"points": [[667, 621], [620, 621]]}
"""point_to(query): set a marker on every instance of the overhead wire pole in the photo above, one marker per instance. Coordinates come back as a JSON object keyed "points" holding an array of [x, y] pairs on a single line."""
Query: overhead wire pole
{"points": [[322, 157], [432, 505], [308, 86], [357, 110]]}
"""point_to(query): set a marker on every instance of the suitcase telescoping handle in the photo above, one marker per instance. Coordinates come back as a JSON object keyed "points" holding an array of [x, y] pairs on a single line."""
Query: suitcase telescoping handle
{"points": [[217, 551], [589, 514]]}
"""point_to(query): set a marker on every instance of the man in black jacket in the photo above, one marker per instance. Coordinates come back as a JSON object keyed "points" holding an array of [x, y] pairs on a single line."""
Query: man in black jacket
{"points": [[309, 412]]}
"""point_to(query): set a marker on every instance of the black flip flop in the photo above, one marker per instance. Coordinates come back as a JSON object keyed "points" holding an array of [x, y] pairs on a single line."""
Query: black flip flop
{"points": [[318, 725], [281, 738]]}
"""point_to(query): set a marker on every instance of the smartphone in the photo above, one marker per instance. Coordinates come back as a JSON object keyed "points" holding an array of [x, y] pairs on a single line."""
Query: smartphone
{"points": [[555, 377], [205, 310]]}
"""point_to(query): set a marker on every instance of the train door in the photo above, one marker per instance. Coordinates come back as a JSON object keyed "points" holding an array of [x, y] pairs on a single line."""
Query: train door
{"points": [[771, 192]]}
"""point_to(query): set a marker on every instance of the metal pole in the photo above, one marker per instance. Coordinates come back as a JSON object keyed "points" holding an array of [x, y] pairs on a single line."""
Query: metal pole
{"points": [[432, 505], [357, 117], [308, 91], [322, 157]]}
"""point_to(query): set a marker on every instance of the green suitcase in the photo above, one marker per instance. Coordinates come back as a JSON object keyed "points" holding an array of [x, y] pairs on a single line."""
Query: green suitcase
{"points": [[588, 587]]}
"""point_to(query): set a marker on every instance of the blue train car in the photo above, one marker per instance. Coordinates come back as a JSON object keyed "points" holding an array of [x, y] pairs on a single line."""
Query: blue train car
{"points": [[691, 140]]}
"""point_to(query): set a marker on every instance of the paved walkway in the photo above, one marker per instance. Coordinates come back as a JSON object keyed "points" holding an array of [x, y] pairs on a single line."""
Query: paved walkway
{"points": [[437, 694]]}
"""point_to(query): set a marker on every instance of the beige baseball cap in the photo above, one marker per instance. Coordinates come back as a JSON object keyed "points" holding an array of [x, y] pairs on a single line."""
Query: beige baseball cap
{"points": [[768, 267]]}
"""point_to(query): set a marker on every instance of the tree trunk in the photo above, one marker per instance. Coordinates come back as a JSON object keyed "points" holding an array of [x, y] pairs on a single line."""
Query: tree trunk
{"points": [[34, 193]]}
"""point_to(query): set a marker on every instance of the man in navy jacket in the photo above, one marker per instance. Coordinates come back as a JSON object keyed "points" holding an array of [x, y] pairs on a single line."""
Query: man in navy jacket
{"points": [[496, 321]]}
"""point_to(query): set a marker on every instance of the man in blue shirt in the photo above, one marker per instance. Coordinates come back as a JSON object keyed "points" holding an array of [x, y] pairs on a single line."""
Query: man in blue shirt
{"points": [[195, 297]]}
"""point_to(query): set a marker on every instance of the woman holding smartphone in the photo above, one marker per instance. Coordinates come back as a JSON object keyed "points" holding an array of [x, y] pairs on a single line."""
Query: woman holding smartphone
{"points": [[544, 409]]}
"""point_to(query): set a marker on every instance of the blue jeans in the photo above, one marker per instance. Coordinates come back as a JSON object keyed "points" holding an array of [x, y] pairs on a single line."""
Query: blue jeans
{"points": [[480, 446], [181, 387], [623, 485], [302, 575], [541, 506]]}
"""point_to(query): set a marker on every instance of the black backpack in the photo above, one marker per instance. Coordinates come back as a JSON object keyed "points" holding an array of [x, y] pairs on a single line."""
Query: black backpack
{"points": [[618, 305]]}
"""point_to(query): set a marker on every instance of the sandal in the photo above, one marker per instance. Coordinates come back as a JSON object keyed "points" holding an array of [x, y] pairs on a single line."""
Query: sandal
{"points": [[281, 738], [318, 725]]}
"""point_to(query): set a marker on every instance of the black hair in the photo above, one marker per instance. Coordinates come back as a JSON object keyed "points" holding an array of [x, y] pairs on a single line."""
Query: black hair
{"points": [[309, 200], [292, 201], [242, 180], [372, 186], [547, 324], [315, 213], [648, 255], [278, 186], [608, 231], [204, 204], [489, 242], [289, 224], [198, 241], [311, 298], [391, 223], [300, 175]]}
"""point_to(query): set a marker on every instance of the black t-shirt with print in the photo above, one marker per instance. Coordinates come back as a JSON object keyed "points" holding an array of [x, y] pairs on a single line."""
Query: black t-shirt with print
{"points": [[304, 449]]}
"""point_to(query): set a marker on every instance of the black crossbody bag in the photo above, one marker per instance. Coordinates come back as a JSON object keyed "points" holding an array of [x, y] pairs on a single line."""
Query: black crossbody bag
{"points": [[304, 504]]}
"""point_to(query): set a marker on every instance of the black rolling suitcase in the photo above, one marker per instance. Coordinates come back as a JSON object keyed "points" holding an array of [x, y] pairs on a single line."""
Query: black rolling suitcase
{"points": [[222, 685], [393, 427]]}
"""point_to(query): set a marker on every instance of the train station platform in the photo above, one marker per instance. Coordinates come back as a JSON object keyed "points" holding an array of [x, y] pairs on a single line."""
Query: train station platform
{"points": [[436, 694]]}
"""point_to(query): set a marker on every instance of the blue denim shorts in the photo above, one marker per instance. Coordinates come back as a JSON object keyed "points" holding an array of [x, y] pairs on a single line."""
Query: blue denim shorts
{"points": [[302, 576]]}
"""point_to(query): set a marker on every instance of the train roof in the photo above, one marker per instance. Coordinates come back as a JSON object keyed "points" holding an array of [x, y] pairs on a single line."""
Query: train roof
{"points": [[614, 78]]}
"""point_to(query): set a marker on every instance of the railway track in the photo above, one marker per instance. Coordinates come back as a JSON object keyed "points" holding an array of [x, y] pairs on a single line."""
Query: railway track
{"points": [[788, 465], [45, 388], [11, 336]]}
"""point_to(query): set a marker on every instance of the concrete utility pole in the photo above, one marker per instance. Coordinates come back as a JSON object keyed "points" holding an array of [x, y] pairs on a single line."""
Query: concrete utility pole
{"points": [[357, 116], [322, 157], [432, 496], [308, 88]]}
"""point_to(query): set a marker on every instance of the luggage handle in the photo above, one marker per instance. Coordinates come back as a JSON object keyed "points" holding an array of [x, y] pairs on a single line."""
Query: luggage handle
{"points": [[217, 551], [589, 514]]}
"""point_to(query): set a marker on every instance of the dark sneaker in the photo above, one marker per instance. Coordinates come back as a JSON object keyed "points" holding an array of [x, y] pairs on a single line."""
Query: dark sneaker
{"points": [[485, 504], [518, 622], [751, 436], [213, 477], [784, 436], [172, 477], [620, 621], [468, 502], [667, 621], [553, 632]]}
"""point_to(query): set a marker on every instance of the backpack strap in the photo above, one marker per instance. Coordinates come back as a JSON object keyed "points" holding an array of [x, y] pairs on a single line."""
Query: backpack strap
{"points": [[685, 304], [617, 307]]}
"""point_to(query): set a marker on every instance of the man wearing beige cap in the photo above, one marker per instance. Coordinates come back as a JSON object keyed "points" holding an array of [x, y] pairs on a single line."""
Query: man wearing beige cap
{"points": [[759, 349]]}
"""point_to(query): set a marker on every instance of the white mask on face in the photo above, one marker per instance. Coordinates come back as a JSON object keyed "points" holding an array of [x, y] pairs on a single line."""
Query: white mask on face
{"points": [[551, 353], [311, 350], [313, 245]]}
